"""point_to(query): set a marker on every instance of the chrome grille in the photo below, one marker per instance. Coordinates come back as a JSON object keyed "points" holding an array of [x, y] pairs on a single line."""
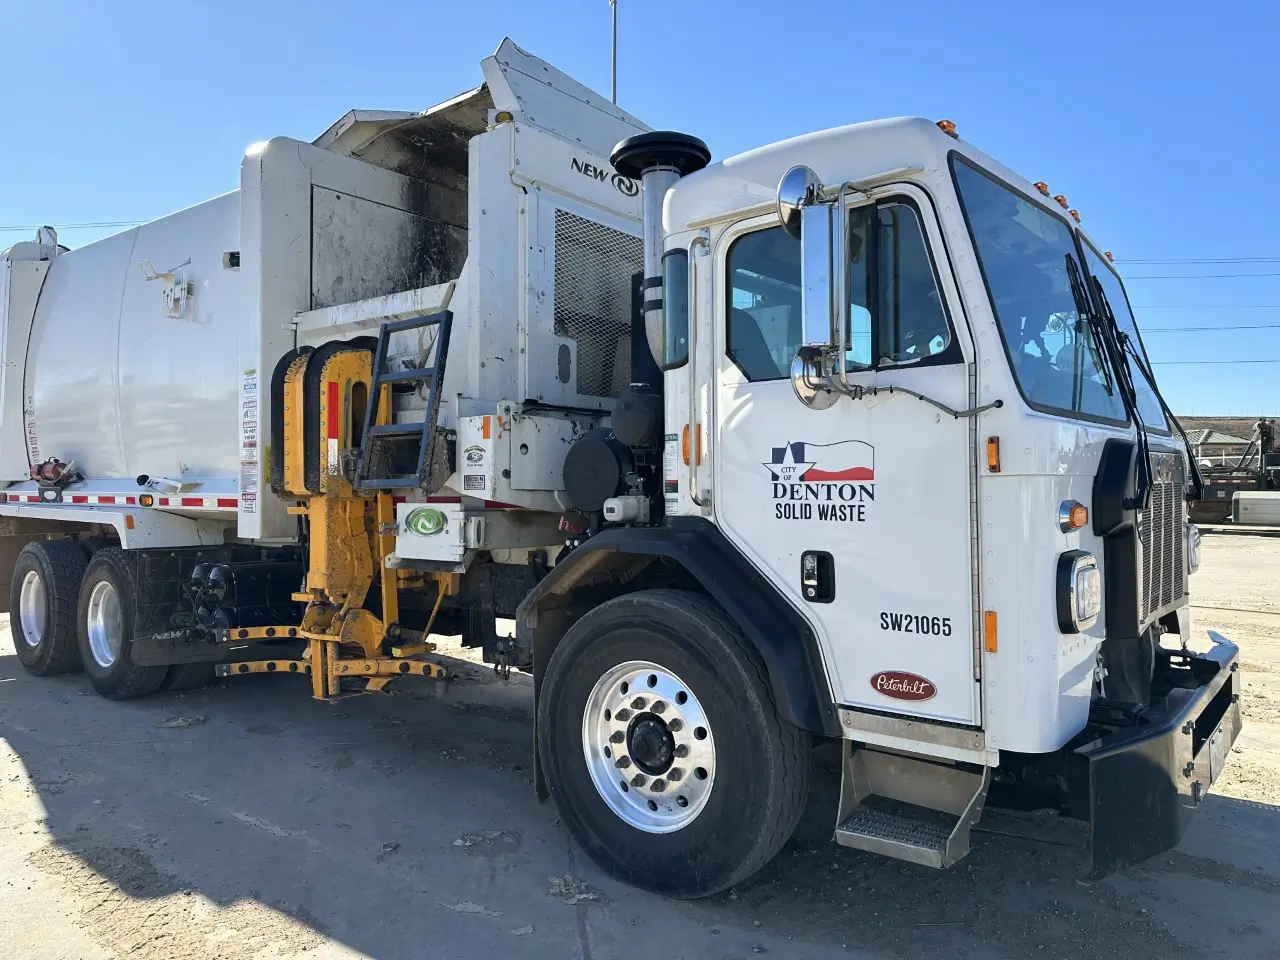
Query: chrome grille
{"points": [[594, 265], [1160, 534]]}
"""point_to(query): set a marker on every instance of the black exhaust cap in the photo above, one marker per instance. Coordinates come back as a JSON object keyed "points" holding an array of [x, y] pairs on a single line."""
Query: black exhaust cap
{"points": [[634, 155]]}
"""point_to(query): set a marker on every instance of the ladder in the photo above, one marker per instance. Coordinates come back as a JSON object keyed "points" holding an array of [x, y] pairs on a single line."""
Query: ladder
{"points": [[403, 454]]}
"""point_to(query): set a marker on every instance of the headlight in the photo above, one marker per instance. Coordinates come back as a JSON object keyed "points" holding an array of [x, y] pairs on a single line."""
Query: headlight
{"points": [[1079, 591], [1193, 548]]}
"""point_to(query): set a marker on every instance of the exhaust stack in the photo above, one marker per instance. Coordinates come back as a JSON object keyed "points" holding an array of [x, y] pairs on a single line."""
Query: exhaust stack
{"points": [[657, 159]]}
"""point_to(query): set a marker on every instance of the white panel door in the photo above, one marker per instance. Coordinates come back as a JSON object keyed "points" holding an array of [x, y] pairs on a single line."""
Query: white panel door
{"points": [[881, 484]]}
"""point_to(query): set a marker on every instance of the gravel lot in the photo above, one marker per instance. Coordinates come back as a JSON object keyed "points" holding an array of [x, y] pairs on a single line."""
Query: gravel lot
{"points": [[245, 821]]}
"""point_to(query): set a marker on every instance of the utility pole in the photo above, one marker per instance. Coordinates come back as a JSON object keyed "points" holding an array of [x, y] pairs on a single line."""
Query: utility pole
{"points": [[613, 5]]}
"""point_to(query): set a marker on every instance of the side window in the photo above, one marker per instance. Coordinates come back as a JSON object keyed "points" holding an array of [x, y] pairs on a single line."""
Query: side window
{"points": [[675, 293], [896, 314], [891, 278], [763, 317]]}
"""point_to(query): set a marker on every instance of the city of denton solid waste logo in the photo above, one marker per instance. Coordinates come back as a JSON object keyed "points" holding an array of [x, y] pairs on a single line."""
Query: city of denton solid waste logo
{"points": [[823, 481]]}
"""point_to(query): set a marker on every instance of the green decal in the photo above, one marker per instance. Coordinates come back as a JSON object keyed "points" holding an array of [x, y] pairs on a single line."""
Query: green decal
{"points": [[425, 521]]}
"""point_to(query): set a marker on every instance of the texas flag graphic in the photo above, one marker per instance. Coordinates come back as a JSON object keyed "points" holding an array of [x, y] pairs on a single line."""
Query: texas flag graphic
{"points": [[845, 460]]}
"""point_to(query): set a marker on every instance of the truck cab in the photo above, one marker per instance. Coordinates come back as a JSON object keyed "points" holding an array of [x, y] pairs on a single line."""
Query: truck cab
{"points": [[914, 450], [932, 484]]}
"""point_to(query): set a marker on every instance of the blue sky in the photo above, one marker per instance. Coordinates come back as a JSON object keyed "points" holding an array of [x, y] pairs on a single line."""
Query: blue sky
{"points": [[1156, 119]]}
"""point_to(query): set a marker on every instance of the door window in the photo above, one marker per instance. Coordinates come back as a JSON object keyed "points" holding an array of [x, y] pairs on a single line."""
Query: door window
{"points": [[896, 313]]}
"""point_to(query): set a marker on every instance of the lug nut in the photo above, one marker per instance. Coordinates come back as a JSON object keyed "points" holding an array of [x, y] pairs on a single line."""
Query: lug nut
{"points": [[623, 715], [682, 751], [676, 725], [659, 706], [638, 703], [638, 780], [617, 737], [623, 762], [658, 785], [674, 774]]}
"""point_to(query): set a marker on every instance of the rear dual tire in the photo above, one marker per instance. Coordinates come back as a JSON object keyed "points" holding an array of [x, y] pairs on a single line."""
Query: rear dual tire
{"points": [[742, 771], [105, 624], [42, 604]]}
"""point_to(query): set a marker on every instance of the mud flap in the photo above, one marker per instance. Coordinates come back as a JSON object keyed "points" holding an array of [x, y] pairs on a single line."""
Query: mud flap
{"points": [[1146, 782]]}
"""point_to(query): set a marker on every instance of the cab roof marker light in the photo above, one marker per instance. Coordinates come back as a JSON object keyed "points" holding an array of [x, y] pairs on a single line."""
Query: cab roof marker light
{"points": [[1075, 215], [949, 128], [1062, 201], [1042, 187], [1110, 257]]}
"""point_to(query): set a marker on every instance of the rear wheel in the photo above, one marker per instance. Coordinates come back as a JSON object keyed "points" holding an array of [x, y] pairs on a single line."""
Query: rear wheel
{"points": [[664, 751], [42, 601], [105, 624]]}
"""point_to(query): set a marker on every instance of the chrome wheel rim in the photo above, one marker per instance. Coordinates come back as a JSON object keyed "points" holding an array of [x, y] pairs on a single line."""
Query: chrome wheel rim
{"points": [[649, 747], [105, 625], [31, 608]]}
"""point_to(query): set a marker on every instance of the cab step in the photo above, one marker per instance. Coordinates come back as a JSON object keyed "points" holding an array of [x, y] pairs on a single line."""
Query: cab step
{"points": [[909, 808]]}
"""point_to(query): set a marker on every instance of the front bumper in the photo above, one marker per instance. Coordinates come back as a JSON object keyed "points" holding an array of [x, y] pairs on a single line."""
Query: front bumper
{"points": [[1145, 782]]}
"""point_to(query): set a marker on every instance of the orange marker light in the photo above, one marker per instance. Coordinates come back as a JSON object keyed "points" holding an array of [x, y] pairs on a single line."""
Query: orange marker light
{"points": [[684, 444], [1075, 215], [990, 641], [1042, 187], [949, 128], [1110, 257], [1062, 201], [1078, 516], [486, 427], [146, 499], [993, 454], [128, 521]]}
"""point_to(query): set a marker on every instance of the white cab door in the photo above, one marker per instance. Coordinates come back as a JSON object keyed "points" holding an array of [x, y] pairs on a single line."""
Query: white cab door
{"points": [[879, 489]]}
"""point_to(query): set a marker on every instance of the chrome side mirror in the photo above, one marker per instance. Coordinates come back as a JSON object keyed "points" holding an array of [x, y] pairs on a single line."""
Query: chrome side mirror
{"points": [[820, 257], [808, 215], [809, 379], [797, 189]]}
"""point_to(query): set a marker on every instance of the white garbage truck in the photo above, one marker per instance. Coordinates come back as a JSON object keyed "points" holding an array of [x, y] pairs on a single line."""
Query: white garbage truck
{"points": [[849, 437]]}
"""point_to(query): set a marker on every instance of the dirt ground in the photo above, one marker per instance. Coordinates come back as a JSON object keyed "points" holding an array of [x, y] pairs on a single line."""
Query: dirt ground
{"points": [[244, 821]]}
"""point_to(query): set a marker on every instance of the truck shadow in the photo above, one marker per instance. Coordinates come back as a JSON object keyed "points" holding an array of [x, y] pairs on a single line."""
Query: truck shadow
{"points": [[241, 817]]}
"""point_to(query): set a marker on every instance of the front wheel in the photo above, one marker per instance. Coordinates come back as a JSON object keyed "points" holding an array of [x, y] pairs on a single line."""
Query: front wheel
{"points": [[662, 746]]}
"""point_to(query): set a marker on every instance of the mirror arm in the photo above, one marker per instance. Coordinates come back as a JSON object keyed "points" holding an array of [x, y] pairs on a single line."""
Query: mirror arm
{"points": [[956, 414]]}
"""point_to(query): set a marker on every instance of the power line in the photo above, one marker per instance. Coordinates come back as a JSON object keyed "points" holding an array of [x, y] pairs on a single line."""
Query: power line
{"points": [[1205, 260], [1169, 363], [1246, 326], [30, 227], [1202, 276]]}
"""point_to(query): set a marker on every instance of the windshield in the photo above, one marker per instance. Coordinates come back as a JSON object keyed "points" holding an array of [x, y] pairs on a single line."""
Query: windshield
{"points": [[1148, 404], [1022, 250]]}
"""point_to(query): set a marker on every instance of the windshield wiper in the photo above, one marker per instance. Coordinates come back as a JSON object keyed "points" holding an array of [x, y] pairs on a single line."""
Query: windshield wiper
{"points": [[1129, 347], [1105, 333]]}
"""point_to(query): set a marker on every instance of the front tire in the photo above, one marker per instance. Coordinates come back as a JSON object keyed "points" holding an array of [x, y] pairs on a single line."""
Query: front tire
{"points": [[42, 601], [105, 624], [663, 748]]}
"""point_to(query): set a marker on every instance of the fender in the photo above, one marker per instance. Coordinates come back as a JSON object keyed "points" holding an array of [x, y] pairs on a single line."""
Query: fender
{"points": [[604, 563]]}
